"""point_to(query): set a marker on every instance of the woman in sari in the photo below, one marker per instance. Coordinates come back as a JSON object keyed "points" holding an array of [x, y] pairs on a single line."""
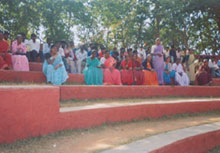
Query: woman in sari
{"points": [[203, 78], [126, 72], [111, 74], [168, 74], [137, 70], [19, 58], [5, 58], [150, 76], [158, 60], [54, 68], [93, 73]]}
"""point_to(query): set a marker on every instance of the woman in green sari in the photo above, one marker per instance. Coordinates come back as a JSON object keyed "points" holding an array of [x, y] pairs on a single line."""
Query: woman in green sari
{"points": [[93, 73]]}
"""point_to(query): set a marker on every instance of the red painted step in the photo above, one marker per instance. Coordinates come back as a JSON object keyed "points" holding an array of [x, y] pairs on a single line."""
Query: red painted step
{"points": [[32, 111], [34, 77]]}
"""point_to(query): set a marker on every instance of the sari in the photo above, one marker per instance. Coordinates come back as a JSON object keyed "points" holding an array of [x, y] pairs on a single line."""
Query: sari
{"points": [[58, 76], [92, 74], [138, 74], [150, 77], [19, 58], [5, 61], [168, 74], [127, 73], [111, 75]]}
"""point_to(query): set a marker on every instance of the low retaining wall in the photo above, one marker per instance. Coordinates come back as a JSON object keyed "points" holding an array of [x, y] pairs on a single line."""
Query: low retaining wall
{"points": [[103, 92], [35, 66], [31, 111], [216, 82], [34, 77]]}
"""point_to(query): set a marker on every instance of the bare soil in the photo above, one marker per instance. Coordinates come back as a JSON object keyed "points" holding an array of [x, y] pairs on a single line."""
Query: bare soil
{"points": [[107, 136]]}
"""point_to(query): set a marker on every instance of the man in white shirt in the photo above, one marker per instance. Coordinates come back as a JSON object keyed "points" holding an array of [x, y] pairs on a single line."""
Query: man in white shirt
{"points": [[142, 53], [34, 52], [180, 76], [46, 47], [81, 56]]}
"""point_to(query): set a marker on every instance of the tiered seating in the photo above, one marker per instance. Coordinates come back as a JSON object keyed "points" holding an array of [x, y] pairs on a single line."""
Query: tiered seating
{"points": [[216, 82], [32, 111], [34, 77]]}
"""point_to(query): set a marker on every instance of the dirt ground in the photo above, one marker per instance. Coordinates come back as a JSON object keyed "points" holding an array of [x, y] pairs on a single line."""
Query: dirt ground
{"points": [[100, 138]]}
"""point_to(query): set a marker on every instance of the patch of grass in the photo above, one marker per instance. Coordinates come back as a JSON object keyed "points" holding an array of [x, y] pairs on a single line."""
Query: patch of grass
{"points": [[78, 132], [215, 150], [79, 102]]}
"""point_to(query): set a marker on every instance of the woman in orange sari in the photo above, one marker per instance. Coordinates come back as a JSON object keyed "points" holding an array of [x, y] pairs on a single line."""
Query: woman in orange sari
{"points": [[111, 74], [126, 72], [150, 76]]}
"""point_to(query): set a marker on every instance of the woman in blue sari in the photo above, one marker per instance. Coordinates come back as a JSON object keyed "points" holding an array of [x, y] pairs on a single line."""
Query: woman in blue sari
{"points": [[168, 74], [54, 69], [93, 73]]}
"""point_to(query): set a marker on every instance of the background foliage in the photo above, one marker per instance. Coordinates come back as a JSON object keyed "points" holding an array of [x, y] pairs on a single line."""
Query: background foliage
{"points": [[118, 23]]}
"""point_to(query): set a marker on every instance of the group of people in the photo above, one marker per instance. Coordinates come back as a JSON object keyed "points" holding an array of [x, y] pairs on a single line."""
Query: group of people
{"points": [[158, 66], [154, 66]]}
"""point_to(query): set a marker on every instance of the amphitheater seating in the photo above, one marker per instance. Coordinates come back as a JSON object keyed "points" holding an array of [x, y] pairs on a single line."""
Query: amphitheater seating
{"points": [[28, 111]]}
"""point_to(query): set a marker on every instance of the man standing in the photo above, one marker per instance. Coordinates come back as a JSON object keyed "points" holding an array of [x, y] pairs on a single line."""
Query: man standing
{"points": [[158, 60], [46, 47], [81, 56]]}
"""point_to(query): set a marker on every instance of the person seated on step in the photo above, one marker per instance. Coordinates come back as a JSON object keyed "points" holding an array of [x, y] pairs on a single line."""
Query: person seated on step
{"points": [[127, 77], [203, 78], [137, 69], [53, 68], [5, 57], [168, 74], [111, 75], [34, 52], [150, 75], [19, 58], [93, 73], [180, 75]]}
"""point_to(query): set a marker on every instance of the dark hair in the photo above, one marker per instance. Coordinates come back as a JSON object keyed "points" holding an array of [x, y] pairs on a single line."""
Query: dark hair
{"points": [[47, 55], [52, 46], [135, 52], [33, 35]]}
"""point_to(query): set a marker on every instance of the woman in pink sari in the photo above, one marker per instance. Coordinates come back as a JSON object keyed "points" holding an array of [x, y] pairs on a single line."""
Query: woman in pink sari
{"points": [[19, 59], [111, 74]]}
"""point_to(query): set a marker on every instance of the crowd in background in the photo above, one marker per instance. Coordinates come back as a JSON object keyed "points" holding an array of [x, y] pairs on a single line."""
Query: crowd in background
{"points": [[145, 65]]}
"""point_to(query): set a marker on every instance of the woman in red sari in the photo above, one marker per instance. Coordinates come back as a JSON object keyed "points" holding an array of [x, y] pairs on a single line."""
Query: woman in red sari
{"points": [[137, 70], [5, 58], [126, 72], [111, 74], [150, 76]]}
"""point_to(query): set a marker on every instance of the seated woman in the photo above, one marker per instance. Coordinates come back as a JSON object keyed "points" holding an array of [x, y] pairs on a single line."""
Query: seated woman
{"points": [[203, 78], [5, 58], [54, 68], [168, 74], [19, 58], [180, 76], [93, 73], [150, 76], [137, 70], [126, 71], [111, 74]]}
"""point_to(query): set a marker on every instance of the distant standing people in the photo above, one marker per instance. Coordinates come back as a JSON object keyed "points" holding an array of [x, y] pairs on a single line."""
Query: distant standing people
{"points": [[81, 56], [46, 47], [173, 54], [158, 60], [19, 58], [191, 66]]}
